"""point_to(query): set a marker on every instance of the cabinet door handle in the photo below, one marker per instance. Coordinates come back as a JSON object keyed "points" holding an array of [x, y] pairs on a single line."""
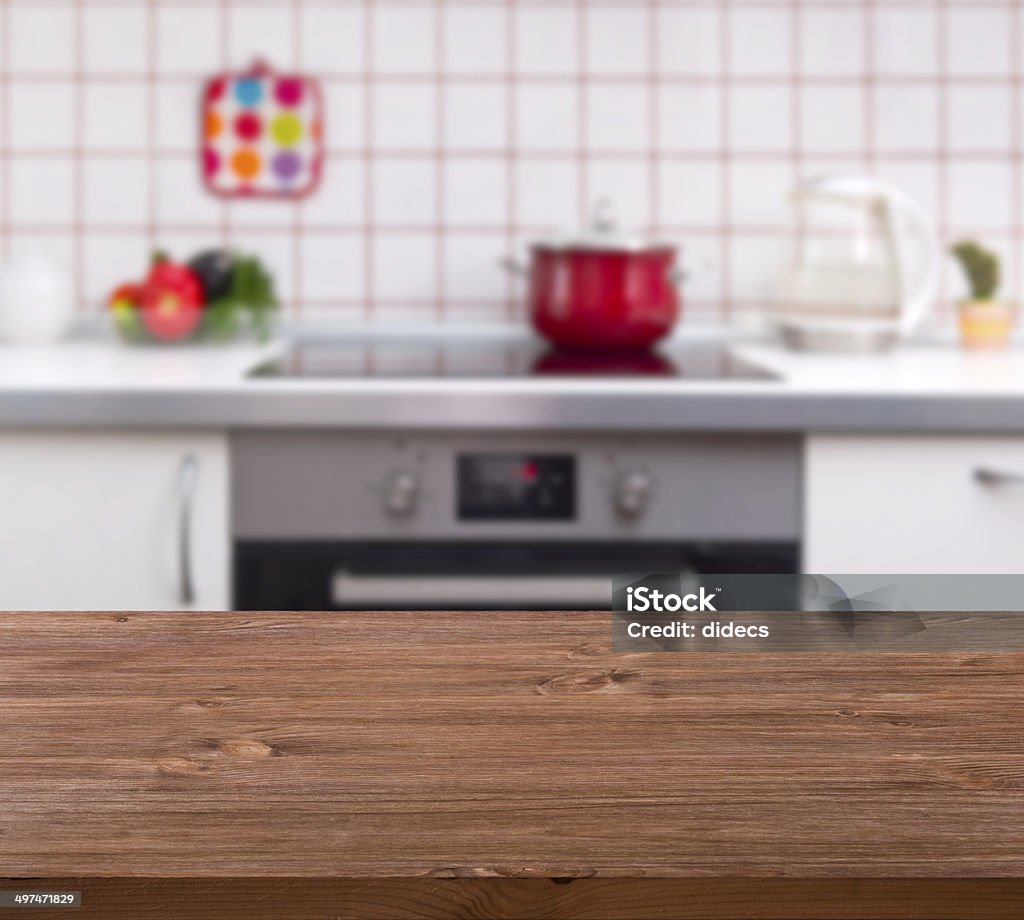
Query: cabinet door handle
{"points": [[188, 479], [991, 476]]}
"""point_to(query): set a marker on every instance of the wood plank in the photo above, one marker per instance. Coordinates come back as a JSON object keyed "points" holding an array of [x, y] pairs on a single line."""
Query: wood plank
{"points": [[431, 746]]}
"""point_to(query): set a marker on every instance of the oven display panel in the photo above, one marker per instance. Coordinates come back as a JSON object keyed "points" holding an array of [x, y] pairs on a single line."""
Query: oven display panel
{"points": [[516, 487]]}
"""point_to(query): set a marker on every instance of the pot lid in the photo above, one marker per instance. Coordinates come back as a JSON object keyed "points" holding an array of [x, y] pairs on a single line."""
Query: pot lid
{"points": [[603, 235]]}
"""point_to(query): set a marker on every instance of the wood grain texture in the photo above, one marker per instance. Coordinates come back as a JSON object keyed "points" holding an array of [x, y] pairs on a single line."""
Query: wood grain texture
{"points": [[496, 746]]}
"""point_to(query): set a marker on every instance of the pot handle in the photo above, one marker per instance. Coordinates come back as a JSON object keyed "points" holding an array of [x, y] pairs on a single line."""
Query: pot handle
{"points": [[514, 266]]}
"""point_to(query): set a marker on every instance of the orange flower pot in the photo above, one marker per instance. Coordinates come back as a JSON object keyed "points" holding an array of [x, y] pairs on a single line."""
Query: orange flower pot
{"points": [[986, 323]]}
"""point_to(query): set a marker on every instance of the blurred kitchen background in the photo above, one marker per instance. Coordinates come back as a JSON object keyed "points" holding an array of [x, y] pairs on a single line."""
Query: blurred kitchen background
{"points": [[456, 131], [420, 425]]}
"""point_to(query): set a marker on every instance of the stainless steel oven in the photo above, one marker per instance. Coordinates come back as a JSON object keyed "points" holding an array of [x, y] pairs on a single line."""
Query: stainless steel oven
{"points": [[363, 520]]}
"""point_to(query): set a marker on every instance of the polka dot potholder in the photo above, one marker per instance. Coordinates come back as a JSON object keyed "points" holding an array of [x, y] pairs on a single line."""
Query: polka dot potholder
{"points": [[262, 134]]}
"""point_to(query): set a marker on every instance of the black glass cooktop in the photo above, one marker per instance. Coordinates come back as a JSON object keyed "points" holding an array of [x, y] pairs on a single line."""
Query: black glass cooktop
{"points": [[502, 359]]}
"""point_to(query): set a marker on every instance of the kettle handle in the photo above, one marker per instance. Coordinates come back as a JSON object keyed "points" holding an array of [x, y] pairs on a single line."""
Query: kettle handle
{"points": [[919, 299]]}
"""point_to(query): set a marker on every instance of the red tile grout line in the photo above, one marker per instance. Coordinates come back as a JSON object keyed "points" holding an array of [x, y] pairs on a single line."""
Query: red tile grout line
{"points": [[152, 33], [942, 154], [440, 249], [868, 110], [77, 165], [297, 223], [224, 23], [5, 130], [626, 156], [594, 78], [511, 167], [724, 159], [796, 109], [653, 118], [369, 238], [582, 114], [1016, 144]]}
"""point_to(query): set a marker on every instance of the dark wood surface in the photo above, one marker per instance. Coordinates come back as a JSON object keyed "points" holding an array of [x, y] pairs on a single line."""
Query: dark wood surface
{"points": [[423, 747]]}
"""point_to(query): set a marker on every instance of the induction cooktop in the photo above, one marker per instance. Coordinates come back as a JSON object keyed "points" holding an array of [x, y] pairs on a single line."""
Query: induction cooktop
{"points": [[503, 359]]}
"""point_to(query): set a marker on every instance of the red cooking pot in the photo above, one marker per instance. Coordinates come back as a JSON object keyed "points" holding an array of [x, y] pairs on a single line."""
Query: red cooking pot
{"points": [[602, 290]]}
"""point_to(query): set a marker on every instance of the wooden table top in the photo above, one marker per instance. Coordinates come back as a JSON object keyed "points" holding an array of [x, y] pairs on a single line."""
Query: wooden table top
{"points": [[392, 745]]}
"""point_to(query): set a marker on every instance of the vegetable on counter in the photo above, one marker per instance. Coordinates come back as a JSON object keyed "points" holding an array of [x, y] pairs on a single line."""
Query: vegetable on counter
{"points": [[216, 294]]}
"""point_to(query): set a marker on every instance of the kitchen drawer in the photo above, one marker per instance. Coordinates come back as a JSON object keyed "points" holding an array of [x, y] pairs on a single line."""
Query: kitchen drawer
{"points": [[914, 504]]}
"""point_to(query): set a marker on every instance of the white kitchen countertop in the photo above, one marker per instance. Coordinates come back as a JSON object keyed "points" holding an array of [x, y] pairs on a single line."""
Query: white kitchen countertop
{"points": [[916, 387]]}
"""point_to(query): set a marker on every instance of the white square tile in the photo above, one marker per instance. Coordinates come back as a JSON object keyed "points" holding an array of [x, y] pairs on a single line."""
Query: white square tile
{"points": [[404, 117], [41, 115], [618, 39], [691, 193], [760, 118], [332, 38], [690, 117], [832, 40], [257, 213], [760, 40], [689, 39], [405, 266], [917, 178], [404, 192], [181, 197], [344, 114], [177, 115], [979, 118], [476, 192], [115, 190], [115, 39], [403, 39], [109, 259], [700, 257], [262, 32], [41, 37], [831, 118], [980, 196], [41, 190], [115, 116], [546, 39], [754, 261], [476, 116], [340, 198], [333, 267], [758, 192], [475, 39], [471, 269], [906, 39], [189, 40], [907, 118], [618, 117], [978, 40], [626, 184], [547, 117], [547, 194]]}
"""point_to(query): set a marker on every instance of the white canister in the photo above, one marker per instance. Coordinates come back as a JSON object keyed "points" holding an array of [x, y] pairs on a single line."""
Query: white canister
{"points": [[36, 303]]}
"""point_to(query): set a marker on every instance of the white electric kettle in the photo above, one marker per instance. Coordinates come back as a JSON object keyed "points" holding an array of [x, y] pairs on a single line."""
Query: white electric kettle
{"points": [[863, 266]]}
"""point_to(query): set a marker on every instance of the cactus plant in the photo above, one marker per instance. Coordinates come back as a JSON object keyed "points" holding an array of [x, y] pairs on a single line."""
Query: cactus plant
{"points": [[980, 267]]}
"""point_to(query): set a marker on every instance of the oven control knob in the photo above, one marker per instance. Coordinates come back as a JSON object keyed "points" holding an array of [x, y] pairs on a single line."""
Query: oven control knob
{"points": [[632, 494], [401, 494]]}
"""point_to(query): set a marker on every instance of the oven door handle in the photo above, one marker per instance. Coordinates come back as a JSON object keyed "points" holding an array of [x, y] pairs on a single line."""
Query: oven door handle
{"points": [[585, 592]]}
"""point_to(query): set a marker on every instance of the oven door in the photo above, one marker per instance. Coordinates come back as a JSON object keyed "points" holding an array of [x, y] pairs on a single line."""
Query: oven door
{"points": [[482, 575]]}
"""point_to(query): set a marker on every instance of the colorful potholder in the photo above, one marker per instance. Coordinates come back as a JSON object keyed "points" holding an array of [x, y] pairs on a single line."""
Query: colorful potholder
{"points": [[262, 134]]}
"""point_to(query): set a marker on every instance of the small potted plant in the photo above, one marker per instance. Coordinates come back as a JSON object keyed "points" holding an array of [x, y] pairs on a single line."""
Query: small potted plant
{"points": [[985, 321]]}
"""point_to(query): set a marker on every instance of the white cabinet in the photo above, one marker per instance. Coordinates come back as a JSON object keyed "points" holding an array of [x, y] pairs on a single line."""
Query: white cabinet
{"points": [[114, 521], [913, 504]]}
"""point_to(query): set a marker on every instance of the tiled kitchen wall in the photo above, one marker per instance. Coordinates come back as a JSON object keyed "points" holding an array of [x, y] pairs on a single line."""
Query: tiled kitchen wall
{"points": [[457, 129]]}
